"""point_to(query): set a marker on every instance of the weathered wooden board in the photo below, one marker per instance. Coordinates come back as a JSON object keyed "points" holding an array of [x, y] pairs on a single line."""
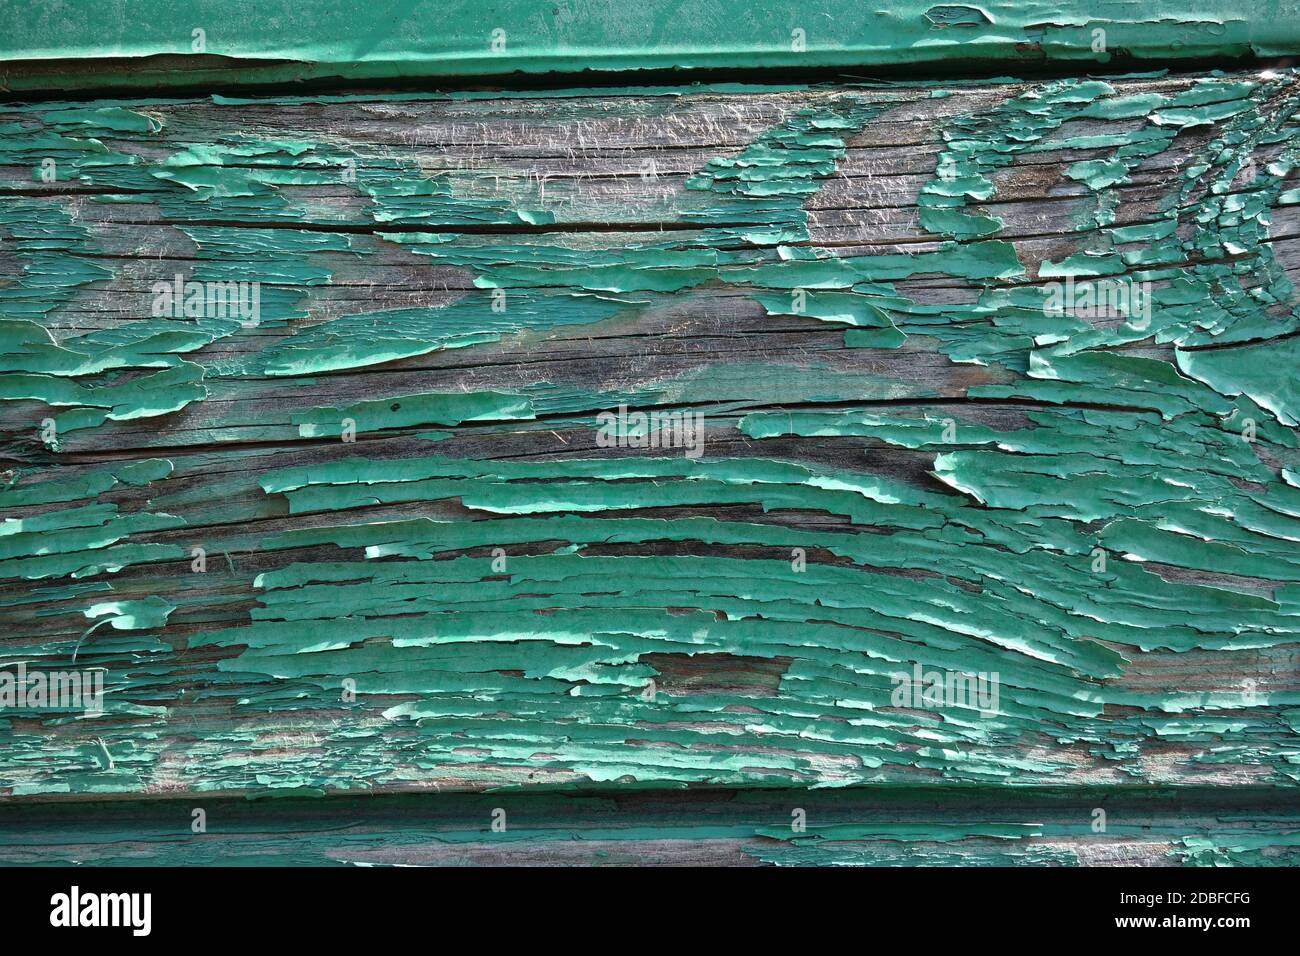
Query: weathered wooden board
{"points": [[368, 536]]}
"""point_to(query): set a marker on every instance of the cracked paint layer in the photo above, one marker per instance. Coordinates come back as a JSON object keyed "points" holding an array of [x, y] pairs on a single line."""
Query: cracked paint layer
{"points": [[371, 542]]}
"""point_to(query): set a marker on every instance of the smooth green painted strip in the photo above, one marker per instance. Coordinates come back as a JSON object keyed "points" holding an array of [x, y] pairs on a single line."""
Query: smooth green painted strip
{"points": [[409, 39]]}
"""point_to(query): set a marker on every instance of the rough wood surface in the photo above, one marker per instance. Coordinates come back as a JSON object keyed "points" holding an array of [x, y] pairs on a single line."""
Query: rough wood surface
{"points": [[935, 826], [910, 457]]}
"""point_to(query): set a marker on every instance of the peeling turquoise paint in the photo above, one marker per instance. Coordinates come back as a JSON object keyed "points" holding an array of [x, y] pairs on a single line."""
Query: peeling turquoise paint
{"points": [[556, 666]]}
